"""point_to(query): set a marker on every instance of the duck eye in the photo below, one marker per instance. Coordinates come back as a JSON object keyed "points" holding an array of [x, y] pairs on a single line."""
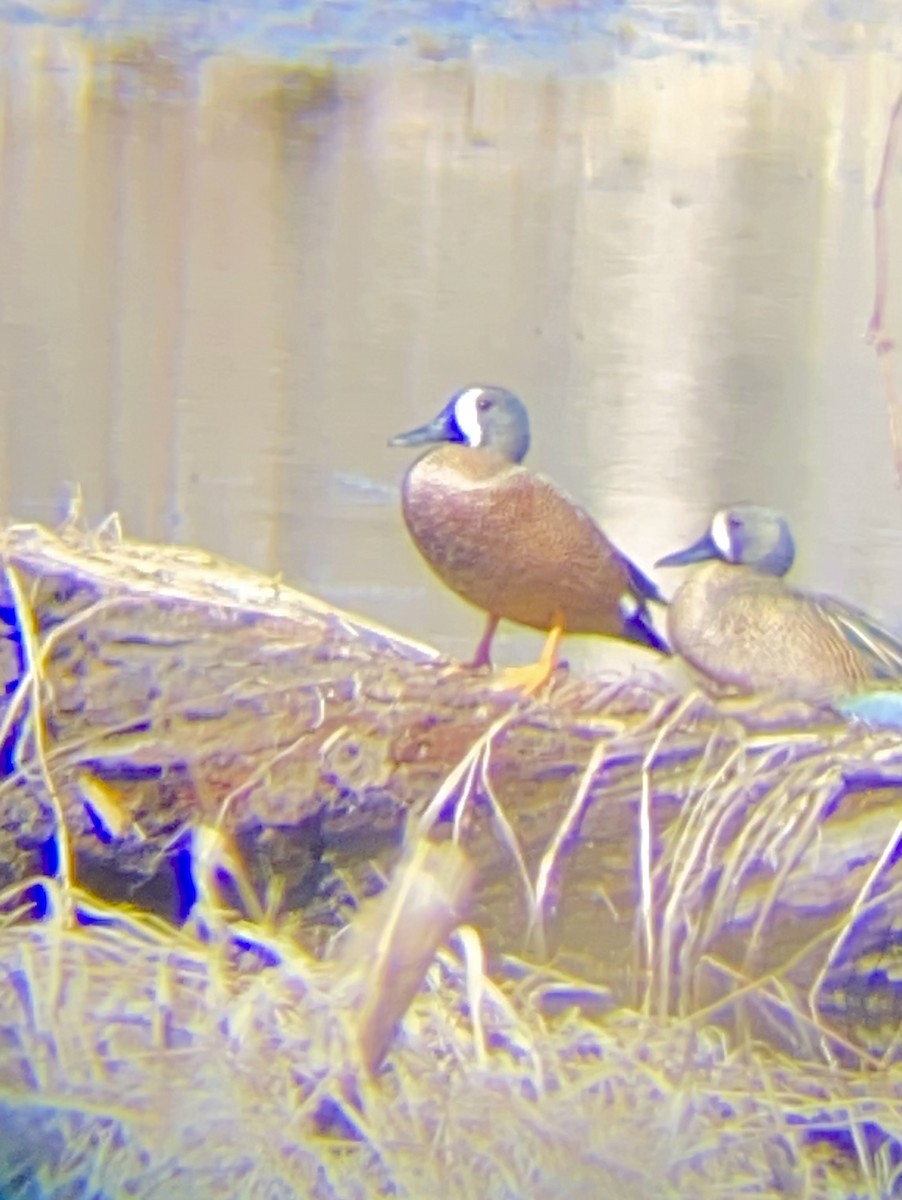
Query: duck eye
{"points": [[484, 403]]}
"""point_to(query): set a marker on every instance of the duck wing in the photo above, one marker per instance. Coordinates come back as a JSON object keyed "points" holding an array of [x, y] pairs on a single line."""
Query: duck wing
{"points": [[882, 649]]}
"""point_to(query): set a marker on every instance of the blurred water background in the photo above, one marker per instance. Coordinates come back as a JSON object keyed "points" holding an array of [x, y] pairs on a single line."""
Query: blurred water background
{"points": [[242, 244]]}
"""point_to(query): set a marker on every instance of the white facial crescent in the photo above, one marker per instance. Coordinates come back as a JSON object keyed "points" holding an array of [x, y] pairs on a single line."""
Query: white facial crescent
{"points": [[720, 535], [467, 415]]}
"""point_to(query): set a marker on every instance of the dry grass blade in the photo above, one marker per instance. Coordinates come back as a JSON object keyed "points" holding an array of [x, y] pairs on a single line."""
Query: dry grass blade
{"points": [[33, 682], [566, 832], [647, 907], [384, 957], [855, 912]]}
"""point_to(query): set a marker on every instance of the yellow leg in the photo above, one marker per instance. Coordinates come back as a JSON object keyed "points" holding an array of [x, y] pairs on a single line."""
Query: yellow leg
{"points": [[482, 657], [532, 678]]}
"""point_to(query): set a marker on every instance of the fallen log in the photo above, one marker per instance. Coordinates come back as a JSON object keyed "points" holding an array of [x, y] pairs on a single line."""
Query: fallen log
{"points": [[685, 854]]}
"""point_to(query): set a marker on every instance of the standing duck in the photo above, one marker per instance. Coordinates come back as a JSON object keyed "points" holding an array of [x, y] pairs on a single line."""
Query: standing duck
{"points": [[509, 541], [742, 627]]}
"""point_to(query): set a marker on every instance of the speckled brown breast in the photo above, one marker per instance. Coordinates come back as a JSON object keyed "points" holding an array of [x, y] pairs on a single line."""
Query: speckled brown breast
{"points": [[511, 543], [745, 630]]}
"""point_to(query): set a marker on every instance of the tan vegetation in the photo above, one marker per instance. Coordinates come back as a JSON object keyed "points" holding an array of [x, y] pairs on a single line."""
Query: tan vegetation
{"points": [[678, 972]]}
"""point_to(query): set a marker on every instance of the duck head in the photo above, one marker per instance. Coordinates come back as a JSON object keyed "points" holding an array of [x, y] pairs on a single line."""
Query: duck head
{"points": [[477, 416], [747, 535]]}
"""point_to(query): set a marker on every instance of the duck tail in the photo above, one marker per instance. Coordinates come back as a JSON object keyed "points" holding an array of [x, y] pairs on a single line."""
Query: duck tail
{"points": [[641, 584], [640, 629]]}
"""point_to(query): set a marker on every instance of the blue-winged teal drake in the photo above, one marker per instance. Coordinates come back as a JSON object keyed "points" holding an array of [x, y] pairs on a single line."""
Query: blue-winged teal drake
{"points": [[742, 627], [509, 541]]}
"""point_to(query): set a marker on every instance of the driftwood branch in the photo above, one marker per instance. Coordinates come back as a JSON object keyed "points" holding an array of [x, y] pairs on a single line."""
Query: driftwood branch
{"points": [[877, 331]]}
